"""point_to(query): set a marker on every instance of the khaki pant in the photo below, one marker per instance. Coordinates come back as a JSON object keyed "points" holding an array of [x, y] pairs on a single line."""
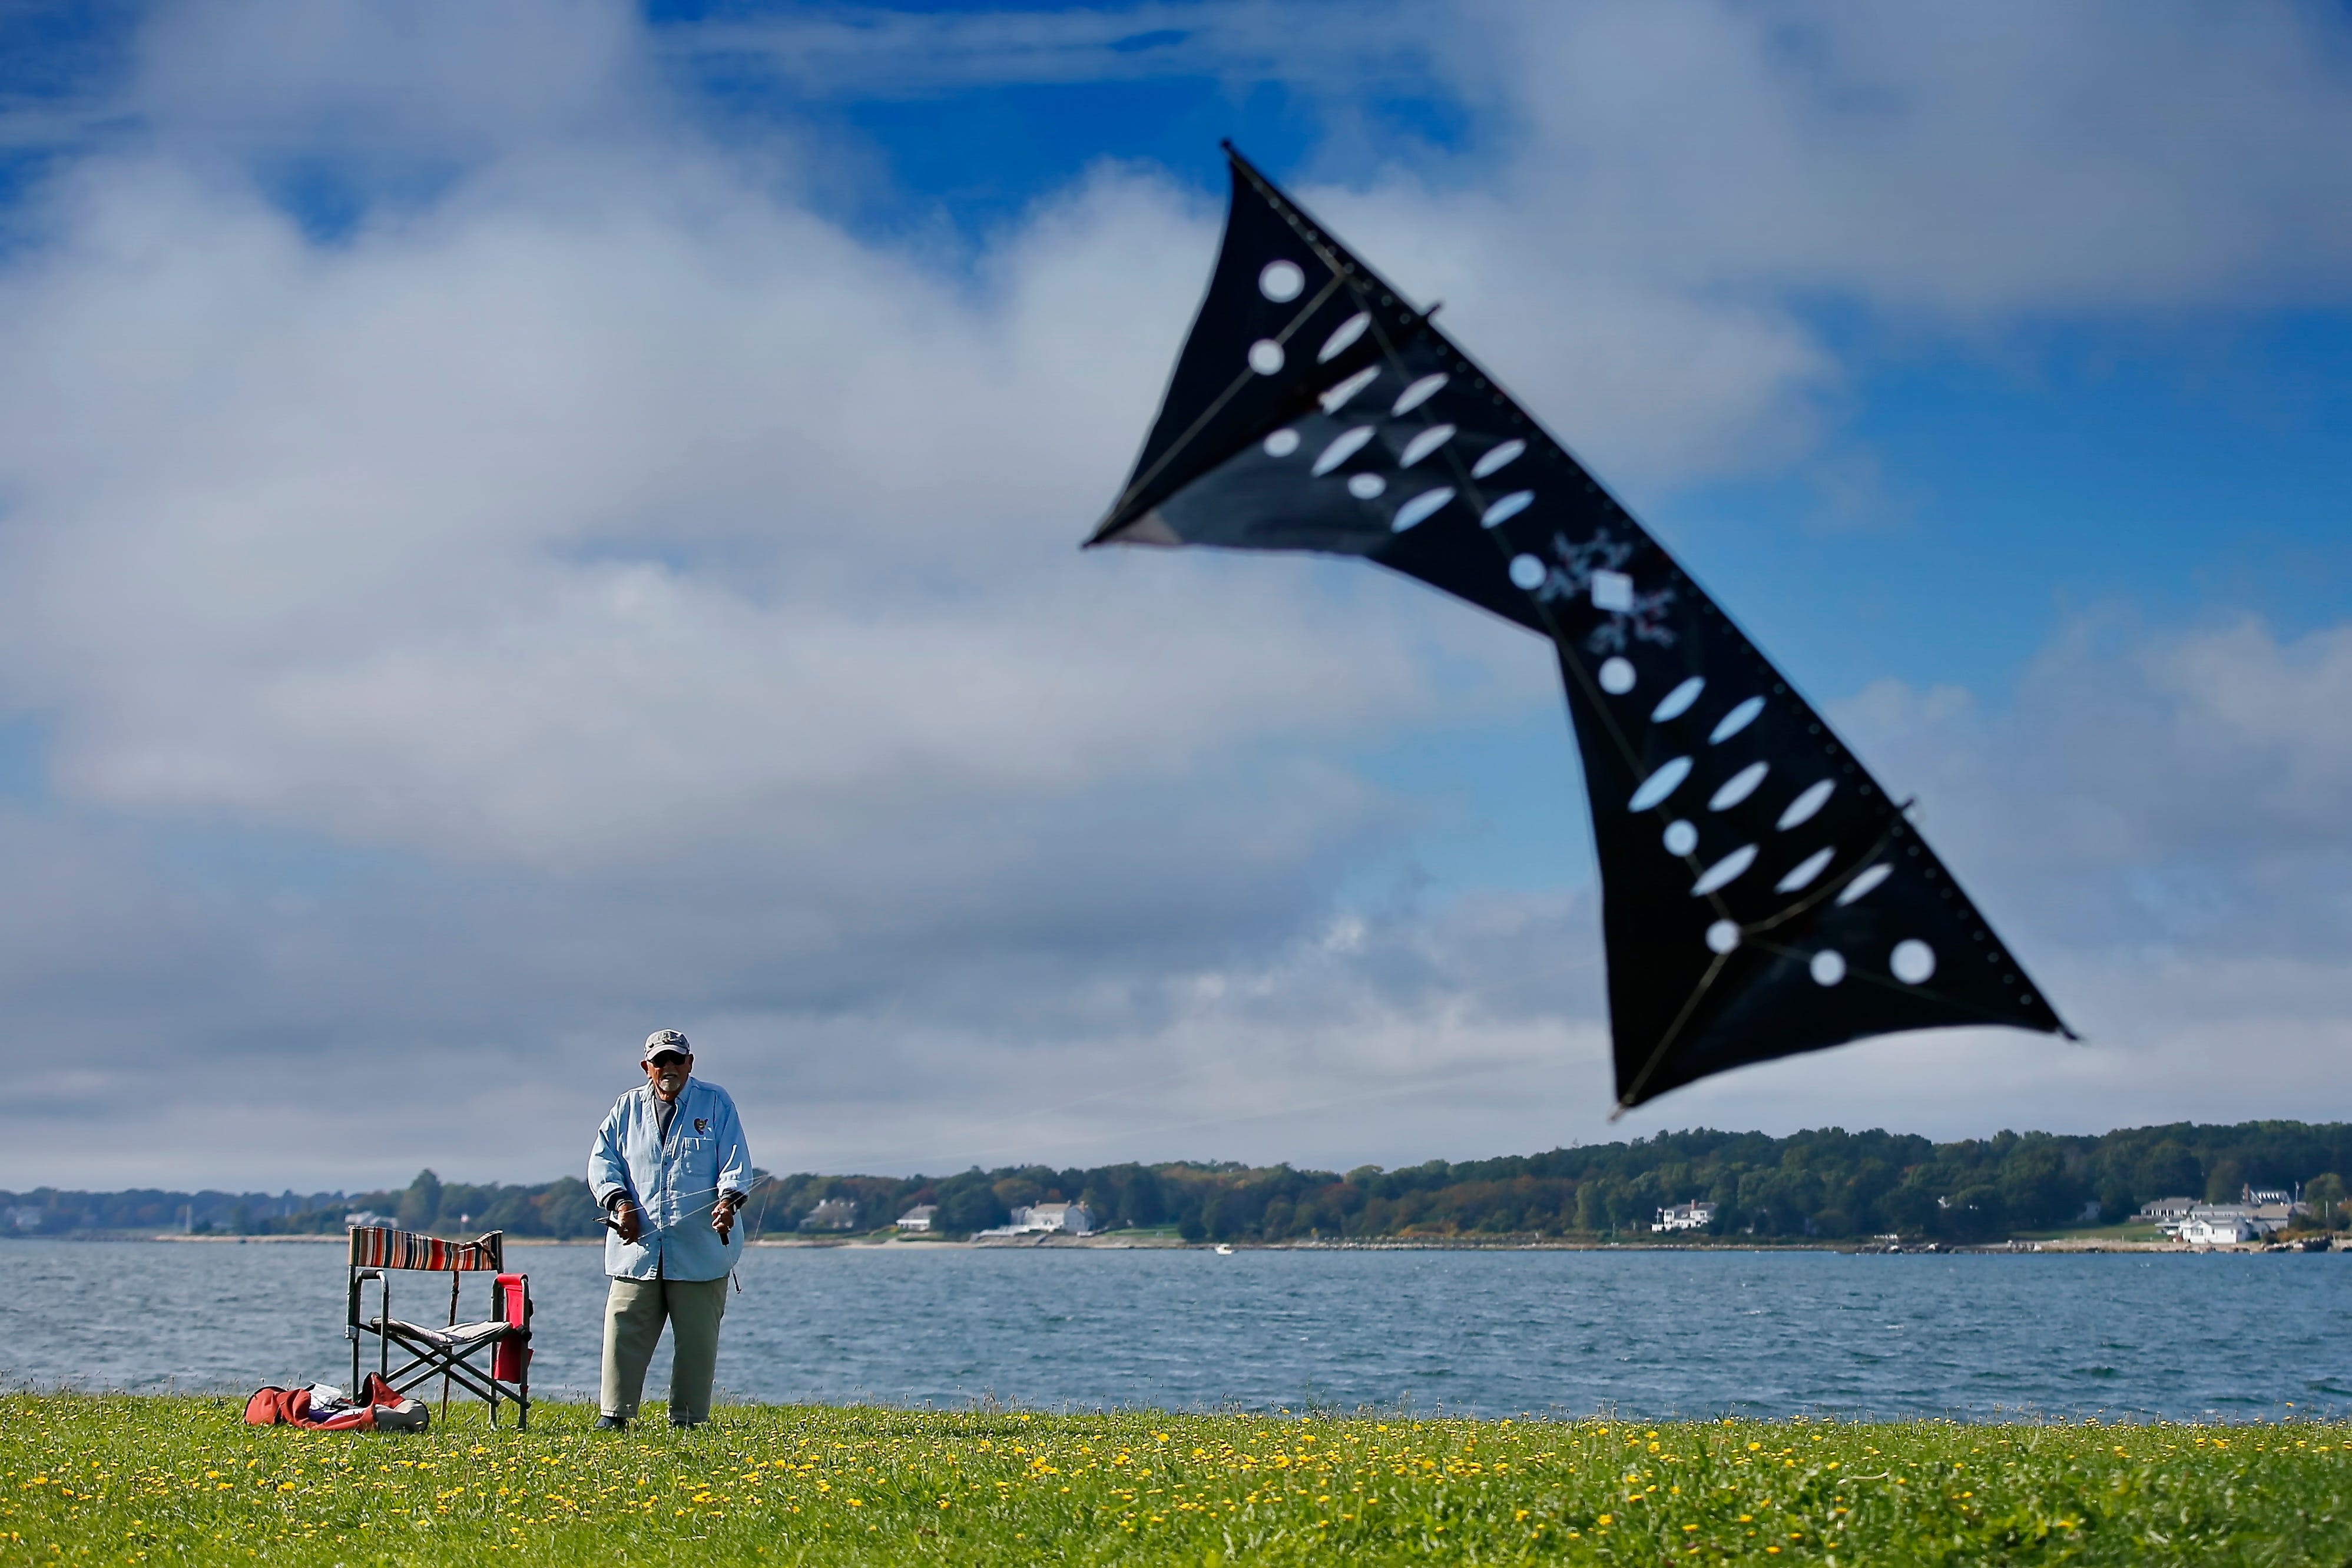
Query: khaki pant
{"points": [[633, 1310]]}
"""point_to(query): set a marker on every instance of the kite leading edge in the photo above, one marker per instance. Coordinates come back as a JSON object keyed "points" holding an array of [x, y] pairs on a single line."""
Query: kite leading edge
{"points": [[1762, 896]]}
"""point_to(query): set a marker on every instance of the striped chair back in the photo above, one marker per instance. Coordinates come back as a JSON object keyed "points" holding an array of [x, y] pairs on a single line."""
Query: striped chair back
{"points": [[382, 1246]]}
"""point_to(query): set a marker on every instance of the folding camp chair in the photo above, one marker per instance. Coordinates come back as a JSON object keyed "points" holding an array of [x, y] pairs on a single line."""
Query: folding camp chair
{"points": [[490, 1358]]}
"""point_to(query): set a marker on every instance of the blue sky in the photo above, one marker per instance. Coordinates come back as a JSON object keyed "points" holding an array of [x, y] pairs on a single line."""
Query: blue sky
{"points": [[521, 528]]}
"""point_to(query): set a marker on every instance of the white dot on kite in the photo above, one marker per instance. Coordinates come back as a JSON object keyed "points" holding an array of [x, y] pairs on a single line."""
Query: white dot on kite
{"points": [[1723, 937], [1339, 341], [1528, 573], [1862, 885], [1281, 444], [1265, 356], [1344, 445], [1496, 458], [1739, 786], [1422, 508], [1427, 441], [1365, 486], [1659, 785], [1801, 875], [1281, 281], [1914, 962], [1828, 968], [1509, 506], [1735, 721], [1723, 870], [1616, 676], [1420, 393], [1801, 809], [1680, 838], [1338, 397], [1677, 702]]}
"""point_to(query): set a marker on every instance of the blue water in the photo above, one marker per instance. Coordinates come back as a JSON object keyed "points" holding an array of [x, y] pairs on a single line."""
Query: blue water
{"points": [[1643, 1334]]}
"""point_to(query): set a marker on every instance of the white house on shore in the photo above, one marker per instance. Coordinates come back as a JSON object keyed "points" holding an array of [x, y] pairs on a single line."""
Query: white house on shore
{"points": [[1045, 1219], [2218, 1228], [1686, 1217], [1071, 1217], [833, 1213], [2216, 1224], [919, 1217]]}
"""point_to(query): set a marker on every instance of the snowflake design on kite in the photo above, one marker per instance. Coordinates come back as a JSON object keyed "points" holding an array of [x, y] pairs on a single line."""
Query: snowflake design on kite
{"points": [[1646, 620], [1572, 574], [1595, 567]]}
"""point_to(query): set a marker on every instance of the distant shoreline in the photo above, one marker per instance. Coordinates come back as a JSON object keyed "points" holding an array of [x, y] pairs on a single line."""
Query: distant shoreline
{"points": [[1116, 1242]]}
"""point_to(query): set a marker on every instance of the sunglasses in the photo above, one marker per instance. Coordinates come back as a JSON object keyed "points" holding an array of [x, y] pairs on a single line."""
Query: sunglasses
{"points": [[670, 1059]]}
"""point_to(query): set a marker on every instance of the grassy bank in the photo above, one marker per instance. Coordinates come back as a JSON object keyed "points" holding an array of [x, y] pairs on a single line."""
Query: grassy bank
{"points": [[133, 1480]]}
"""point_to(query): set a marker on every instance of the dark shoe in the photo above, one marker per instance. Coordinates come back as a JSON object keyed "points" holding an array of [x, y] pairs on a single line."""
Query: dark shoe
{"points": [[684, 1424], [611, 1424], [408, 1416]]}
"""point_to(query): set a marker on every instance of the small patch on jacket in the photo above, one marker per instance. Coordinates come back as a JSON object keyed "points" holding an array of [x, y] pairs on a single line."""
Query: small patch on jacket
{"points": [[701, 1125]]}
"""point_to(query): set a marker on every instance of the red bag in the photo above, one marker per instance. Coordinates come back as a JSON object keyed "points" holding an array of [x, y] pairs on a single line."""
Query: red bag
{"points": [[512, 1297]]}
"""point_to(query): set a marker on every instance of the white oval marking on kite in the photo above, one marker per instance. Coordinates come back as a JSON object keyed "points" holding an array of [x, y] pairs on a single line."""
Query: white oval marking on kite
{"points": [[1281, 281], [1528, 573], [1723, 870], [1723, 937], [1802, 808], [1862, 885], [1420, 393], [1912, 961], [1420, 508], [1265, 356], [1680, 838], [1677, 702], [1366, 486], [1616, 676], [1802, 874], [1338, 342], [1496, 457], [1509, 506], [1427, 441], [1344, 445], [1281, 444], [1732, 723], [1739, 786], [1338, 396], [1660, 785], [1827, 967]]}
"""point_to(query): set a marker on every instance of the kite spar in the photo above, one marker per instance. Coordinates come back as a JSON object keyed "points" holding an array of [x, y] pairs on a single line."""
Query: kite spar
{"points": [[1760, 895]]}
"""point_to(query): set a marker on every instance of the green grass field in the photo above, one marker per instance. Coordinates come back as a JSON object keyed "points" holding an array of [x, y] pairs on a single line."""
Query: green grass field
{"points": [[123, 1480]]}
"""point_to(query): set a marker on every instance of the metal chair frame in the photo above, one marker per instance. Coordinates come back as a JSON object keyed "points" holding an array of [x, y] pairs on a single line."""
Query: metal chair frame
{"points": [[428, 1354]]}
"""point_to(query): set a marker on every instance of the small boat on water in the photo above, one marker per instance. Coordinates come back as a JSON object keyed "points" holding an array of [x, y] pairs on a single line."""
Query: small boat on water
{"points": [[1224, 1250]]}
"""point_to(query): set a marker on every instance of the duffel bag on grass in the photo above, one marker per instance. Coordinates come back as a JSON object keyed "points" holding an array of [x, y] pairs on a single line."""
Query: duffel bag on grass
{"points": [[321, 1408]]}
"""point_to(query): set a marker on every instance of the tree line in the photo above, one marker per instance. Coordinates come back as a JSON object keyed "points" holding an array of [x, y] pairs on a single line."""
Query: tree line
{"points": [[1827, 1184]]}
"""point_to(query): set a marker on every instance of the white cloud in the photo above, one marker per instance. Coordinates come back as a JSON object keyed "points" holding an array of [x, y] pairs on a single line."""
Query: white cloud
{"points": [[1998, 158], [577, 537]]}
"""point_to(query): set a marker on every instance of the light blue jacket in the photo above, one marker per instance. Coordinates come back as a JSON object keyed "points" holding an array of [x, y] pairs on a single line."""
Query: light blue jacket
{"points": [[675, 1185]]}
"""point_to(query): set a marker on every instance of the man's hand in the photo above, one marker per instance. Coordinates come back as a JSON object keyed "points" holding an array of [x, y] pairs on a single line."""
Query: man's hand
{"points": [[722, 1214], [625, 1220]]}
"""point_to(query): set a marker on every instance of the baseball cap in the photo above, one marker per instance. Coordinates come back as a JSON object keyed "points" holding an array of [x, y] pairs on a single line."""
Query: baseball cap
{"points": [[663, 1040]]}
